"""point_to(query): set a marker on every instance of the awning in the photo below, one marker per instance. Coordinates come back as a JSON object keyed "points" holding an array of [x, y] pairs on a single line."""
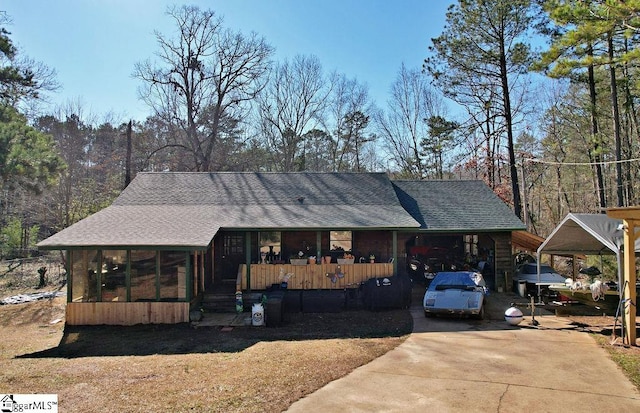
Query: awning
{"points": [[588, 234]]}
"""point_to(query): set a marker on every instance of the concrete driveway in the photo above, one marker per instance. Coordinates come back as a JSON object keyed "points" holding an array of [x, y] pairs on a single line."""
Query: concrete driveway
{"points": [[451, 365]]}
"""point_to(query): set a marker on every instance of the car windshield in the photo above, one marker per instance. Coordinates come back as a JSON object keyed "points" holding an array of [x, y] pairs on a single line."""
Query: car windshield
{"points": [[452, 280]]}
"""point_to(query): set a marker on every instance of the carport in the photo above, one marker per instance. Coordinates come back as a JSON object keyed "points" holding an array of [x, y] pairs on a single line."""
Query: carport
{"points": [[598, 234]]}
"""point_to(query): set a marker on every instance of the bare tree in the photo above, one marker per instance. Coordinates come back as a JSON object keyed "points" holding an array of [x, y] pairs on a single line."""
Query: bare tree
{"points": [[204, 76], [348, 120], [404, 126], [292, 104]]}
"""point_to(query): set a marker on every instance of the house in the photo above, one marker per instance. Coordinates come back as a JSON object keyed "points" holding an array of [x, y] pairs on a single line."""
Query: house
{"points": [[170, 237]]}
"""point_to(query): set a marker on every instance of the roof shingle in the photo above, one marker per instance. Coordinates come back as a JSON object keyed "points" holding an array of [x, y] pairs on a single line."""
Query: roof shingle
{"points": [[451, 205]]}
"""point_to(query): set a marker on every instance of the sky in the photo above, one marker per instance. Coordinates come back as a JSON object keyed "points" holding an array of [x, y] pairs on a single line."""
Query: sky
{"points": [[93, 45]]}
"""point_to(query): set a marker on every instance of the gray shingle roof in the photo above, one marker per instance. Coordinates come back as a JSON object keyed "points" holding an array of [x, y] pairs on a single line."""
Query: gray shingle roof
{"points": [[187, 209], [452, 205], [254, 188], [150, 225]]}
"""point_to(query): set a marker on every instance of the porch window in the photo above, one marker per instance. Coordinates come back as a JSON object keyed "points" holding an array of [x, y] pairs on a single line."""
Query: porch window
{"points": [[173, 276], [341, 240], [84, 276], [143, 275], [270, 246], [114, 275]]}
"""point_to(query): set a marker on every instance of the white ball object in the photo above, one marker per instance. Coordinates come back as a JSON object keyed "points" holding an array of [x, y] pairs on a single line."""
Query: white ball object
{"points": [[513, 316]]}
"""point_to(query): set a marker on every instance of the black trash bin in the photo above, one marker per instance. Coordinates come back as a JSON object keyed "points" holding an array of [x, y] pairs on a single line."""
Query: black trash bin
{"points": [[387, 292], [274, 311], [322, 301], [292, 301]]}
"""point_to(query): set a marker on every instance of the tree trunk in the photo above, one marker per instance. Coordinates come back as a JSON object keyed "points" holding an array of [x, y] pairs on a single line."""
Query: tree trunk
{"points": [[515, 187], [616, 122], [596, 156]]}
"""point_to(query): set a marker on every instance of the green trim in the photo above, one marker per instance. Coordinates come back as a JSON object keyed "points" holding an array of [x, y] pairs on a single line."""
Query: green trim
{"points": [[394, 250], [99, 277], [158, 276], [68, 266], [189, 275], [127, 276], [460, 230], [318, 249], [125, 247], [247, 257]]}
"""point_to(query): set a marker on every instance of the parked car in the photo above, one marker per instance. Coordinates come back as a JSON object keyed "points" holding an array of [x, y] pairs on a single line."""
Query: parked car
{"points": [[456, 293], [526, 280]]}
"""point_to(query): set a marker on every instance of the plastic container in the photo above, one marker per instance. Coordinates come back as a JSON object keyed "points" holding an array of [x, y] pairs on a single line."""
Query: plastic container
{"points": [[239, 304], [274, 311], [513, 316], [257, 314], [522, 288]]}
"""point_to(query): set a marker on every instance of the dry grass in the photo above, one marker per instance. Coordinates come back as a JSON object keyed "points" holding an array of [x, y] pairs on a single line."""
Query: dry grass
{"points": [[177, 368]]}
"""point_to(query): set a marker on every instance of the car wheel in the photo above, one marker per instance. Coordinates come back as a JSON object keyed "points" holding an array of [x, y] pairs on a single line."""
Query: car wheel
{"points": [[427, 314], [480, 315]]}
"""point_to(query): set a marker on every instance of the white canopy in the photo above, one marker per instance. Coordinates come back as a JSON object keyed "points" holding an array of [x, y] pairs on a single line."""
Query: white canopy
{"points": [[589, 234]]}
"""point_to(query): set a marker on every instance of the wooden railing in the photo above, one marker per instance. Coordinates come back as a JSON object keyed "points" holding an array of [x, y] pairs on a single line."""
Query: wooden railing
{"points": [[311, 276]]}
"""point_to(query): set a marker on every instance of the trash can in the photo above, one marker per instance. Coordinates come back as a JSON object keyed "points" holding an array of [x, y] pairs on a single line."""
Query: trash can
{"points": [[274, 310], [292, 301], [387, 292], [522, 288]]}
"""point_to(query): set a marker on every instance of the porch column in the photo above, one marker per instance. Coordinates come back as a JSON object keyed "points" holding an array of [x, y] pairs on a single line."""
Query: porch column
{"points": [[630, 217], [247, 257], [630, 280], [394, 251], [318, 249]]}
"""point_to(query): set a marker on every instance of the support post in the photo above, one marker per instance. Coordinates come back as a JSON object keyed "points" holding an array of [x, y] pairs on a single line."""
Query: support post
{"points": [[394, 251], [630, 281], [247, 257], [630, 217]]}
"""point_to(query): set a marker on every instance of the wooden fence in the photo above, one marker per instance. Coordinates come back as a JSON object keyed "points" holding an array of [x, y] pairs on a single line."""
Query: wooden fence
{"points": [[123, 313], [311, 276]]}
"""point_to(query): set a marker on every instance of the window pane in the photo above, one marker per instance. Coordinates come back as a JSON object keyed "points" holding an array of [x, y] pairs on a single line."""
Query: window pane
{"points": [[173, 275], [270, 246], [341, 240], [114, 275], [233, 244], [143, 275], [84, 280]]}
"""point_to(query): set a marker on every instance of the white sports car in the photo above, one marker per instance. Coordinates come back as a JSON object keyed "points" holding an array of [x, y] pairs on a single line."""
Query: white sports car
{"points": [[460, 293]]}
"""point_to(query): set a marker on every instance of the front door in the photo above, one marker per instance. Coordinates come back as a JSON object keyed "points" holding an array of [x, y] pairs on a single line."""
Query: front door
{"points": [[229, 254]]}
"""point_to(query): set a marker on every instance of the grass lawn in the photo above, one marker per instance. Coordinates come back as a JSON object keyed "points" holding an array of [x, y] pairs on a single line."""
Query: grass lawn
{"points": [[177, 368], [151, 368]]}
